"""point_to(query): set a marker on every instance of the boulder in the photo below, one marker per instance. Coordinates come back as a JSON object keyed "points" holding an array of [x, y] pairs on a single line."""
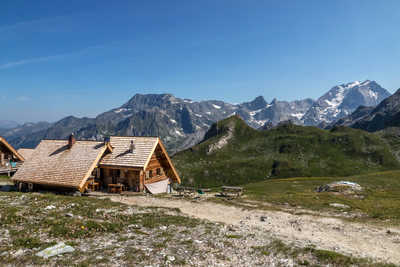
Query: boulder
{"points": [[340, 187], [58, 249], [339, 205]]}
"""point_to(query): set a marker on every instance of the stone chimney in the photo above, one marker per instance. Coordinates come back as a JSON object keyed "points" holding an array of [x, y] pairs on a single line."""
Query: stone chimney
{"points": [[131, 147], [71, 140]]}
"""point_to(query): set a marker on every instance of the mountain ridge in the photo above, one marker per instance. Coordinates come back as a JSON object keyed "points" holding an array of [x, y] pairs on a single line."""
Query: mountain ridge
{"points": [[181, 123], [341, 100], [384, 115]]}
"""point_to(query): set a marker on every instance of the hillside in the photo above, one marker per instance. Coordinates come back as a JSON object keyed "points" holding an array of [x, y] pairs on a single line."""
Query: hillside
{"points": [[233, 153]]}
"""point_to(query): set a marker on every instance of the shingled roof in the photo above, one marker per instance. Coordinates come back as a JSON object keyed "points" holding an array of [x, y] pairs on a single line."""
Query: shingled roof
{"points": [[7, 145], [25, 152], [55, 164], [144, 147]]}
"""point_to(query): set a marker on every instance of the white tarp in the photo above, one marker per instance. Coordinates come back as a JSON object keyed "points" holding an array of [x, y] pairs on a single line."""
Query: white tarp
{"points": [[158, 187]]}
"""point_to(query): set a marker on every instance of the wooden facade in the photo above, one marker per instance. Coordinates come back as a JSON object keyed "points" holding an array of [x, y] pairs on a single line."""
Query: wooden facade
{"points": [[154, 164], [10, 159]]}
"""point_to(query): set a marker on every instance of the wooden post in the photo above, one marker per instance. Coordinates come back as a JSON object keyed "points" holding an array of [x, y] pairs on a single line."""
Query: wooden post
{"points": [[1, 158], [141, 187]]}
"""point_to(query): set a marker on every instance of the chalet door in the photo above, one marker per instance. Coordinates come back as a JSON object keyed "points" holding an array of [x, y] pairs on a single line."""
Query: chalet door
{"points": [[115, 176], [133, 178]]}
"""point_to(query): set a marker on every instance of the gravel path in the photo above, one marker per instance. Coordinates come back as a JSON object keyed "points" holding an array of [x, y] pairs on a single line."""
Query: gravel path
{"points": [[360, 240]]}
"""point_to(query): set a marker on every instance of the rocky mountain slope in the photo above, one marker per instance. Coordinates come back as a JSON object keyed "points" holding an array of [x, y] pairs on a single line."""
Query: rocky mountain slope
{"points": [[385, 115], [342, 100], [234, 153], [26, 135], [182, 123], [7, 124], [258, 112]]}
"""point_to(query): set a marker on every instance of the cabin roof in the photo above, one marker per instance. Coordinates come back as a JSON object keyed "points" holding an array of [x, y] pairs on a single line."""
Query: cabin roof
{"points": [[121, 155], [55, 164], [26, 152], [6, 144]]}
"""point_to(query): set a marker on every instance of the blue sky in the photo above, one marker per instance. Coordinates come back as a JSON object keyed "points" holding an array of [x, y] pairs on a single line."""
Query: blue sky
{"points": [[81, 58]]}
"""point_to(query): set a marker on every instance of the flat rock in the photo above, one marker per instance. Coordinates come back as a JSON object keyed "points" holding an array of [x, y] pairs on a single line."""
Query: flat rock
{"points": [[58, 249], [339, 205], [340, 187]]}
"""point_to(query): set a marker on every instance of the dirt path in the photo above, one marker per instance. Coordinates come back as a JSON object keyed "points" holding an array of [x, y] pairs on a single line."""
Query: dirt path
{"points": [[325, 233]]}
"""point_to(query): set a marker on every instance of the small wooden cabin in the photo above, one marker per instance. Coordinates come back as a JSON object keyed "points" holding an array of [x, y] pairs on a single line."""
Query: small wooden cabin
{"points": [[138, 163], [129, 163], [10, 159]]}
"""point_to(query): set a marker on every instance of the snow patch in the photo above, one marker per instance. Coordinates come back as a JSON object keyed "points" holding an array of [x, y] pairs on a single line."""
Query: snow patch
{"points": [[372, 94], [297, 115], [353, 84], [216, 106], [366, 83], [338, 99], [173, 121], [121, 110], [260, 122], [178, 133], [252, 113], [208, 112], [198, 115]]}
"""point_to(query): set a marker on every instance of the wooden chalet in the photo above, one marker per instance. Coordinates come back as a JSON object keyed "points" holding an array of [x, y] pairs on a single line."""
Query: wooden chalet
{"points": [[117, 164], [10, 159], [138, 163]]}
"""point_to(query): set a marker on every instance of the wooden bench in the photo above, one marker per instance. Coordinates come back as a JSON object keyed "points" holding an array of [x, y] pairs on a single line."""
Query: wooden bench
{"points": [[115, 188], [229, 191], [184, 190]]}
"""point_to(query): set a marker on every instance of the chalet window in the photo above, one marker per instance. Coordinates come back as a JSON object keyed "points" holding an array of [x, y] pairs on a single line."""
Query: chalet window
{"points": [[150, 173], [158, 171]]}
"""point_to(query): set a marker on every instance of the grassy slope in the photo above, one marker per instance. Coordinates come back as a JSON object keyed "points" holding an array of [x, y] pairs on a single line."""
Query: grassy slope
{"points": [[285, 151], [381, 195]]}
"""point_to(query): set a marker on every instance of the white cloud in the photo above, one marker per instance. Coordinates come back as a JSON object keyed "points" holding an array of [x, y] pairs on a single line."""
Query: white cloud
{"points": [[21, 62], [27, 61]]}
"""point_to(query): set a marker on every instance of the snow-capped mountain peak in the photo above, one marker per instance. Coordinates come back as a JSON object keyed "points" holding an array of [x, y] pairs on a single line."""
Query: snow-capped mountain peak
{"points": [[341, 100]]}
